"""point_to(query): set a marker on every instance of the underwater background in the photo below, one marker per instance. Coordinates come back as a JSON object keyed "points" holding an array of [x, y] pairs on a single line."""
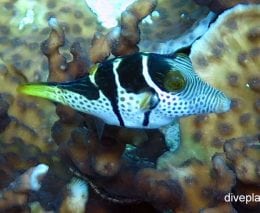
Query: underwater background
{"points": [[53, 159]]}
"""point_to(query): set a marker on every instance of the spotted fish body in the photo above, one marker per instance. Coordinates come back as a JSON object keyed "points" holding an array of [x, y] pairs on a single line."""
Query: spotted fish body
{"points": [[130, 91]]}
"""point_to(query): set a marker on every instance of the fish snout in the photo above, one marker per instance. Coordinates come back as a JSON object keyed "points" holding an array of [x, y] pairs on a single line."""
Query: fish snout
{"points": [[223, 103]]}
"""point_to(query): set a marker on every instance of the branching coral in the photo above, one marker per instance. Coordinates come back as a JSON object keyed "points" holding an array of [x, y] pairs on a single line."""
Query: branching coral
{"points": [[101, 159], [23, 24], [59, 69], [111, 172], [123, 39], [174, 20]]}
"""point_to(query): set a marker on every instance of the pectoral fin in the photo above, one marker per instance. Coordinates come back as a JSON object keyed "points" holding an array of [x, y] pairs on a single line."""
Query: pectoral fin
{"points": [[93, 69], [149, 101]]}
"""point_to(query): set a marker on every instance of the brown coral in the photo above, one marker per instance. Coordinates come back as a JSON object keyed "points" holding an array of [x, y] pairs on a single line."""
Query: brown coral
{"points": [[244, 155], [17, 193], [22, 115], [59, 69], [112, 171], [171, 21], [203, 185], [227, 57], [79, 23], [101, 160], [21, 33], [219, 6], [122, 40]]}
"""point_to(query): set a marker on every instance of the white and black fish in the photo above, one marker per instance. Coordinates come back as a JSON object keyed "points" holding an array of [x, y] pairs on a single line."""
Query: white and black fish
{"points": [[143, 90]]}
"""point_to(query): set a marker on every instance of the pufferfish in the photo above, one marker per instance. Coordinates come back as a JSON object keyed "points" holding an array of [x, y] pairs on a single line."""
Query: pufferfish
{"points": [[142, 90]]}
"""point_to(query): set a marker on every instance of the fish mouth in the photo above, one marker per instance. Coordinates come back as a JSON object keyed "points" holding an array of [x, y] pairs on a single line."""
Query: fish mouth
{"points": [[224, 103]]}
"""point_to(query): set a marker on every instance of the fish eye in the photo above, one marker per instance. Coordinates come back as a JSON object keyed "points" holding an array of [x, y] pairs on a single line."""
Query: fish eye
{"points": [[174, 81]]}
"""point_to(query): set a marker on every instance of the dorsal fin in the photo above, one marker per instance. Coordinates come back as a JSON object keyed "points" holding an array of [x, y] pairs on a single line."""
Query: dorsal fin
{"points": [[82, 86]]}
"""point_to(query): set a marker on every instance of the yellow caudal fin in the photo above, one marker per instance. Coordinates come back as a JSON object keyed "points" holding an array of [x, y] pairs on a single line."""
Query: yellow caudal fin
{"points": [[51, 92]]}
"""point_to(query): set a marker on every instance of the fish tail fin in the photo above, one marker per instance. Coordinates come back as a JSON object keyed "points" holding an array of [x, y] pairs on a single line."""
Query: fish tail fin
{"points": [[43, 90]]}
